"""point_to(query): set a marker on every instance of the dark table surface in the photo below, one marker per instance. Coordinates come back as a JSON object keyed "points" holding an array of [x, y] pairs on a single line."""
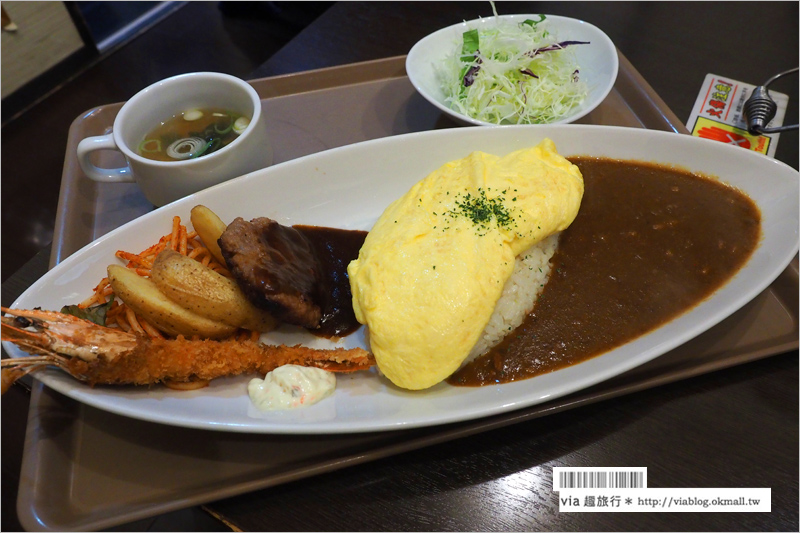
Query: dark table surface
{"points": [[732, 428]]}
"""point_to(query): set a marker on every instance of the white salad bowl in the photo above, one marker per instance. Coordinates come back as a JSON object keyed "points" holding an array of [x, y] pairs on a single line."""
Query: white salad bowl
{"points": [[597, 61]]}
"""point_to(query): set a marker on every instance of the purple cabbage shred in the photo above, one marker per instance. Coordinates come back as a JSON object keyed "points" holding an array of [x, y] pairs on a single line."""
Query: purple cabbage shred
{"points": [[469, 77], [554, 47]]}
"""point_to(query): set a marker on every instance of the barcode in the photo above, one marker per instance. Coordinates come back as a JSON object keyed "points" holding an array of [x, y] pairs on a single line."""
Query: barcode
{"points": [[599, 478]]}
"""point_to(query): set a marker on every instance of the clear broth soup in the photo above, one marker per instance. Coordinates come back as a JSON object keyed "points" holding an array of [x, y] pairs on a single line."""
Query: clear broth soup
{"points": [[192, 134]]}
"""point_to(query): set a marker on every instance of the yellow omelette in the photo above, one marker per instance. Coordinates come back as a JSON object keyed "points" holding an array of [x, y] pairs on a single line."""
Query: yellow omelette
{"points": [[433, 267]]}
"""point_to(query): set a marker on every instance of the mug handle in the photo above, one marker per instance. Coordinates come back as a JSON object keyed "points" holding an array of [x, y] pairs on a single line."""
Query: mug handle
{"points": [[109, 175]]}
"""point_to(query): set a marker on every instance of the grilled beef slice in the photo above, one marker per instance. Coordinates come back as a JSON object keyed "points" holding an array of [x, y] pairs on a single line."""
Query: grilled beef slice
{"points": [[276, 268]]}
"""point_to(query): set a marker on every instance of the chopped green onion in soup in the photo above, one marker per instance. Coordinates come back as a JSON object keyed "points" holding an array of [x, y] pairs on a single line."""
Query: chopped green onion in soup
{"points": [[192, 115], [187, 148], [193, 133], [240, 125]]}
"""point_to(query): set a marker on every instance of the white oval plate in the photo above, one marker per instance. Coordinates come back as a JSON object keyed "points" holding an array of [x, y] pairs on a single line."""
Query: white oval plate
{"points": [[598, 61], [348, 188]]}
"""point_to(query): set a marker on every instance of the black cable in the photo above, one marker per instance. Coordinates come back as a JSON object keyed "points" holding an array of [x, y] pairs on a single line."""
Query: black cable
{"points": [[760, 108]]}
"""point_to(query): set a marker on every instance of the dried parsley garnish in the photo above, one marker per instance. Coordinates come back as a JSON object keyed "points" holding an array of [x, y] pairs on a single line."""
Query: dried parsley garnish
{"points": [[482, 210]]}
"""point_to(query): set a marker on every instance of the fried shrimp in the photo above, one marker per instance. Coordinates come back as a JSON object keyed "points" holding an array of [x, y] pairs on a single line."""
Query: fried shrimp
{"points": [[100, 355]]}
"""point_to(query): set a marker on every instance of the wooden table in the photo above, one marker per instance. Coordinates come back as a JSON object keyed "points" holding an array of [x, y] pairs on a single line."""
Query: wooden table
{"points": [[732, 428]]}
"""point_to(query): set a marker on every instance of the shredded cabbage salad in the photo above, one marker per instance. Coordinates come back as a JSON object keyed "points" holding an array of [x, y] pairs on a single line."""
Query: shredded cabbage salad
{"points": [[513, 74]]}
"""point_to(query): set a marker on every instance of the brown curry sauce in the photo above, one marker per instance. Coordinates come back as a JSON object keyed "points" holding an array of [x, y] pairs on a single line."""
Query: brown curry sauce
{"points": [[335, 248], [649, 243]]}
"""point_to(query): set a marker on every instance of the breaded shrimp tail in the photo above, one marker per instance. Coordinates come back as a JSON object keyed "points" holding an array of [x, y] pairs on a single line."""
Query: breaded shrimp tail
{"points": [[100, 355], [155, 360]]}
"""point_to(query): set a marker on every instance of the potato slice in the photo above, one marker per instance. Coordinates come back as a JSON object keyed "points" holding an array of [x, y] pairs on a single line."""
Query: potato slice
{"points": [[200, 290], [209, 227], [143, 296], [259, 320]]}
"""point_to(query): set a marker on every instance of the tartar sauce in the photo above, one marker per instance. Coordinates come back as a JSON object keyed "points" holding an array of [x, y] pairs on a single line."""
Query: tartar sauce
{"points": [[291, 386]]}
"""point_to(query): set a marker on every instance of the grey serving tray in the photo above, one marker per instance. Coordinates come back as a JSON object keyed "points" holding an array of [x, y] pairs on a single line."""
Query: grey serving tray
{"points": [[86, 469]]}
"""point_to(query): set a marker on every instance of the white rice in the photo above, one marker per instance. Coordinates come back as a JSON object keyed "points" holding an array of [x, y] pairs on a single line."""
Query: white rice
{"points": [[531, 272]]}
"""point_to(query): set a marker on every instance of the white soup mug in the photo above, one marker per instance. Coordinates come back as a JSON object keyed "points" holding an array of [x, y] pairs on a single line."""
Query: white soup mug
{"points": [[165, 181]]}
